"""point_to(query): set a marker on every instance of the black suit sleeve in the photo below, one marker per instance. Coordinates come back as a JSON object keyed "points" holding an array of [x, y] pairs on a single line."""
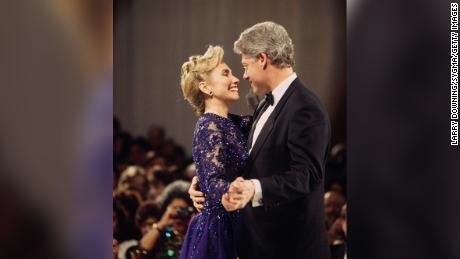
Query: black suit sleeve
{"points": [[308, 139]]}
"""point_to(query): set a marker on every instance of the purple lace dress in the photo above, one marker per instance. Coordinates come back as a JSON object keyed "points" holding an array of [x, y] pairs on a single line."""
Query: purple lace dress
{"points": [[220, 153]]}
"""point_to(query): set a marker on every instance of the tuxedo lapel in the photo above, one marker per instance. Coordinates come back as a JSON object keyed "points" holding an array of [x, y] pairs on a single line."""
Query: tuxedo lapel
{"points": [[265, 132]]}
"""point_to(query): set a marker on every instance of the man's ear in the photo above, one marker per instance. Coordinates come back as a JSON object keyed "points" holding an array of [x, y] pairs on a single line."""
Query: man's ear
{"points": [[262, 58]]}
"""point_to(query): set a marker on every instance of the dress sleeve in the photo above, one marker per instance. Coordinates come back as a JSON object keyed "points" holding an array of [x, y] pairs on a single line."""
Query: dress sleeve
{"points": [[212, 153]]}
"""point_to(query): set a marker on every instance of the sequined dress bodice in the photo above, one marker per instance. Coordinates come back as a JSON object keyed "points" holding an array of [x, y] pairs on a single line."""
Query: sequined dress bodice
{"points": [[220, 154]]}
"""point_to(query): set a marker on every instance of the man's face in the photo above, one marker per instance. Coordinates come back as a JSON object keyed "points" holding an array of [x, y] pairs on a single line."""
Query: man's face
{"points": [[255, 74]]}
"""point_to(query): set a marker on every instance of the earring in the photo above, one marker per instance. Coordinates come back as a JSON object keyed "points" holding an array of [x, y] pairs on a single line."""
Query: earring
{"points": [[210, 93]]}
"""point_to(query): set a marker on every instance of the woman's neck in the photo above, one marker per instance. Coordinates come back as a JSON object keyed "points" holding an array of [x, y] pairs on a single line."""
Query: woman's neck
{"points": [[221, 110]]}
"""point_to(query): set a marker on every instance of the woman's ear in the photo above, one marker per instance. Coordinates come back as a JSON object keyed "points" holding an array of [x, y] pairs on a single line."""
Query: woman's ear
{"points": [[204, 88]]}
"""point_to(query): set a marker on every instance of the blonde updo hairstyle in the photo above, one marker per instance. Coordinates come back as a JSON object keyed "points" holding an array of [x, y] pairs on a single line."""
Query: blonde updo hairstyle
{"points": [[197, 70]]}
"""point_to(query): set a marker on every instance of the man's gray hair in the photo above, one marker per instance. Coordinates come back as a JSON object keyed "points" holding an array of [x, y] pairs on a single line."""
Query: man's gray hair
{"points": [[270, 38]]}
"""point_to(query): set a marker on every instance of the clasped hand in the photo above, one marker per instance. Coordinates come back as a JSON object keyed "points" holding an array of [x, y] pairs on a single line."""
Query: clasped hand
{"points": [[240, 192]]}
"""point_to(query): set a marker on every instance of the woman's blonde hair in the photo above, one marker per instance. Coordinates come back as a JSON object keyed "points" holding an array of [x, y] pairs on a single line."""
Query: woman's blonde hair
{"points": [[196, 70]]}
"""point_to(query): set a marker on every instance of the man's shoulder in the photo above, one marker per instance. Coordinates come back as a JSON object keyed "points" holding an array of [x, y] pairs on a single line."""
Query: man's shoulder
{"points": [[303, 97], [305, 108]]}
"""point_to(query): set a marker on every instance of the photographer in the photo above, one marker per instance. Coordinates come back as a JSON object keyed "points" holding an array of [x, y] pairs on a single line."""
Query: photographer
{"points": [[166, 236]]}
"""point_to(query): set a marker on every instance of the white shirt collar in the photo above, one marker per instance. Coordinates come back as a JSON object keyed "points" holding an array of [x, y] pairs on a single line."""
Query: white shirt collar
{"points": [[279, 91]]}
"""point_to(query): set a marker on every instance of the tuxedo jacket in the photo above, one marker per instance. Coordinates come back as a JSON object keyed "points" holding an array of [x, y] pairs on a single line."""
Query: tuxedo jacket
{"points": [[288, 158]]}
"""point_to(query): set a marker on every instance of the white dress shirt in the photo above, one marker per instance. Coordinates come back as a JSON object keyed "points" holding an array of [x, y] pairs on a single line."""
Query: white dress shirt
{"points": [[278, 93]]}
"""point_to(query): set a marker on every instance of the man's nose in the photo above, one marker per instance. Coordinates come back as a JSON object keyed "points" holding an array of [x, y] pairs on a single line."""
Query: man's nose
{"points": [[245, 76]]}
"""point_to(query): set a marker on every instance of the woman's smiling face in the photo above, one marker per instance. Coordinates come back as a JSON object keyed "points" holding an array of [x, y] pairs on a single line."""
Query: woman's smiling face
{"points": [[224, 84]]}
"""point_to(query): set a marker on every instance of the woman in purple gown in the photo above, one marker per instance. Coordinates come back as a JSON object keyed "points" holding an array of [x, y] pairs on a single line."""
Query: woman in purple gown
{"points": [[219, 152]]}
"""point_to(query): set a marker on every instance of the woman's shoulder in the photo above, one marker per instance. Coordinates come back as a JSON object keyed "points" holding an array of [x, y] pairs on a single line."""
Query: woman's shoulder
{"points": [[209, 126], [210, 121]]}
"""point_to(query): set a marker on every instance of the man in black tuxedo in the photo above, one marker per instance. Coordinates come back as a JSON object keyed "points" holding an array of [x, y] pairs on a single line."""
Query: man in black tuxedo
{"points": [[282, 196]]}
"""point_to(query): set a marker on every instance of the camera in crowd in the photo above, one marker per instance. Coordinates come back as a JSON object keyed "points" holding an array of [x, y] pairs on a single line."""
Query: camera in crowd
{"points": [[184, 213]]}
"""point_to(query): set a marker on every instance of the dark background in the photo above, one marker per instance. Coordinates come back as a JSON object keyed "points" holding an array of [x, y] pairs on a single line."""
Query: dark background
{"points": [[403, 175]]}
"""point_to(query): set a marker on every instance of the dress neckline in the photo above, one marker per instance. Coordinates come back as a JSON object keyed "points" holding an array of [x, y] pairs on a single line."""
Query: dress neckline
{"points": [[217, 115]]}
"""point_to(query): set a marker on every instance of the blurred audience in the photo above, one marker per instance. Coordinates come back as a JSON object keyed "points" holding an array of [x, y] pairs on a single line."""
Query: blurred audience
{"points": [[156, 137], [147, 214], [333, 202], [335, 207], [152, 209], [134, 178], [337, 235], [138, 151], [336, 169], [159, 177], [190, 172]]}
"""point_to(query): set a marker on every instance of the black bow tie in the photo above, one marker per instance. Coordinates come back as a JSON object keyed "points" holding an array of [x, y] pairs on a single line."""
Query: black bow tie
{"points": [[263, 106], [269, 98]]}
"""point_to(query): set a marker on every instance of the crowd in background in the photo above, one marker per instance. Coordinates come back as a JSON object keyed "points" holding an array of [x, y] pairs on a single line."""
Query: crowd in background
{"points": [[151, 206]]}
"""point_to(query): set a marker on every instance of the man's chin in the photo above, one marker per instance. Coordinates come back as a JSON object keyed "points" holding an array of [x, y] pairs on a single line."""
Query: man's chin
{"points": [[256, 91]]}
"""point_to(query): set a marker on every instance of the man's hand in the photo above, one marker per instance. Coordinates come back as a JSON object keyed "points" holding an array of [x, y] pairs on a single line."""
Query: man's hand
{"points": [[228, 205], [196, 196], [239, 194]]}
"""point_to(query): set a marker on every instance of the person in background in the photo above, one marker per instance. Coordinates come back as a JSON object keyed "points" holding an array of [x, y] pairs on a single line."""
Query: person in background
{"points": [[333, 202], [134, 178], [147, 214], [156, 137], [166, 236], [158, 177], [337, 235]]}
